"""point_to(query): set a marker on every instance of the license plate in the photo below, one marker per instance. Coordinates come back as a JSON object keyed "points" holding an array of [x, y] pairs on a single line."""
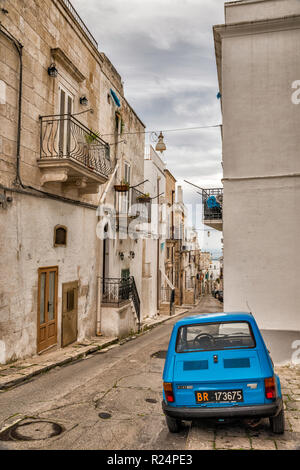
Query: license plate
{"points": [[218, 396]]}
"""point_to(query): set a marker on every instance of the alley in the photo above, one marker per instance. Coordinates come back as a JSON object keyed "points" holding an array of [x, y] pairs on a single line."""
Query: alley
{"points": [[112, 401]]}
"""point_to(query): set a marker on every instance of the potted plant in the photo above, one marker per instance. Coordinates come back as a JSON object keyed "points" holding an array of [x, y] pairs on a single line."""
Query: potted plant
{"points": [[122, 187], [144, 198], [92, 136], [90, 139]]}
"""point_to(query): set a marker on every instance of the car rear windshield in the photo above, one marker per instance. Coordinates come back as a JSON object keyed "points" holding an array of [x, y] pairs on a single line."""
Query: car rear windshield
{"points": [[214, 336]]}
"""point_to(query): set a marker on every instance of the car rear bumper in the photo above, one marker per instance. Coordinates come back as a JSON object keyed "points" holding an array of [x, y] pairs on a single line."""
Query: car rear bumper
{"points": [[253, 411]]}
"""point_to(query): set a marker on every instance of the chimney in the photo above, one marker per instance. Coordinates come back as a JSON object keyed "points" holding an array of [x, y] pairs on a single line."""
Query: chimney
{"points": [[179, 194]]}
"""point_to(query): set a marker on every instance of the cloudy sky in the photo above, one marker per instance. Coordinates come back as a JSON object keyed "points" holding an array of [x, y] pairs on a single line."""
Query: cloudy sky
{"points": [[164, 51]]}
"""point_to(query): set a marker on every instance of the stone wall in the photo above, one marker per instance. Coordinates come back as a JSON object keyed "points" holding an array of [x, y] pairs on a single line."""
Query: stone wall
{"points": [[49, 33]]}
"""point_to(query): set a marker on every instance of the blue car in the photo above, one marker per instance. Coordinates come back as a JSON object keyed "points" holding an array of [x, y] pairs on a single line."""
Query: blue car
{"points": [[218, 366]]}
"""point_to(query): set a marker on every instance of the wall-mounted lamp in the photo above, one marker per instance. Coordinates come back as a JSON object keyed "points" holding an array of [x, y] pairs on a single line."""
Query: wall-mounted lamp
{"points": [[52, 70], [131, 254], [83, 101], [121, 254]]}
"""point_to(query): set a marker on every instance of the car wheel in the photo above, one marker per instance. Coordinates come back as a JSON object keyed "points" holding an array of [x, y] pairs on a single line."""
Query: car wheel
{"points": [[173, 424], [277, 423]]}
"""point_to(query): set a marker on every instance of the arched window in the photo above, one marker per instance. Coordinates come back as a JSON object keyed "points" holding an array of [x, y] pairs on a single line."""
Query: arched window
{"points": [[60, 235]]}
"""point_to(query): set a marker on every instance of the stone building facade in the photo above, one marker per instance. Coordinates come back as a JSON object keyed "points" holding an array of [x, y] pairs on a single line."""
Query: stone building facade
{"points": [[63, 119], [154, 246]]}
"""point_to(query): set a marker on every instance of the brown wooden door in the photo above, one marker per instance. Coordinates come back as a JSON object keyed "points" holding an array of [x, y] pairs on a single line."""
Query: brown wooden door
{"points": [[69, 312], [47, 308]]}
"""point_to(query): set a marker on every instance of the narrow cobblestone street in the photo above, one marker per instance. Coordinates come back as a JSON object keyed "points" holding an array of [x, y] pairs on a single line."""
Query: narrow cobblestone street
{"points": [[112, 400]]}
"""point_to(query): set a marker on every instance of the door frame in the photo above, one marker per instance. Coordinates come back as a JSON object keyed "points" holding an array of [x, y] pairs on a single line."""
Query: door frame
{"points": [[47, 269], [64, 133]]}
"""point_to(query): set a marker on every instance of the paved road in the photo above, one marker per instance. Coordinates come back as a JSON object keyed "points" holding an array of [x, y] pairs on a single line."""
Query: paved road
{"points": [[112, 401]]}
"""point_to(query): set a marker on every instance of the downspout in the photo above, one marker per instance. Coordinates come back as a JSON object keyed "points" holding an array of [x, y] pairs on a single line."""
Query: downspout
{"points": [[99, 286], [158, 283]]}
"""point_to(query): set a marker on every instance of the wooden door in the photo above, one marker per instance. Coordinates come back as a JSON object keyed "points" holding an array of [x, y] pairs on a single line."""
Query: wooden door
{"points": [[69, 312], [47, 308]]}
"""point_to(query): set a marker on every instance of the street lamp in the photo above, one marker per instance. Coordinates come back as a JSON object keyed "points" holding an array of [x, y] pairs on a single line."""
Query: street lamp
{"points": [[160, 146]]}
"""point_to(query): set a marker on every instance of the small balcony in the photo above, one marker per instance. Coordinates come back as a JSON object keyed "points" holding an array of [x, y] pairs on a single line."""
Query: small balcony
{"points": [[212, 200], [118, 291], [131, 204], [72, 154]]}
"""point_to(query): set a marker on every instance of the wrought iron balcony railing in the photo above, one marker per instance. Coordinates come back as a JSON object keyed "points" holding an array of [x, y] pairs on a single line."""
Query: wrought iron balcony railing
{"points": [[133, 203], [212, 203], [80, 22], [116, 291], [63, 137], [166, 294]]}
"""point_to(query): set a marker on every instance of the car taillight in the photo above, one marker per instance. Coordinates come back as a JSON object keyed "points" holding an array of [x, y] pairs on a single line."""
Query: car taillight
{"points": [[168, 389], [270, 388]]}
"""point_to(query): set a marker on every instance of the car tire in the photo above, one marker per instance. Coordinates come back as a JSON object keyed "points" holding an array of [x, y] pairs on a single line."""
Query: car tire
{"points": [[277, 423], [174, 425]]}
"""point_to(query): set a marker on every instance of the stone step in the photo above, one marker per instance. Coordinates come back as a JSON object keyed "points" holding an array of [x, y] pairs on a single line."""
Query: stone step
{"points": [[164, 307]]}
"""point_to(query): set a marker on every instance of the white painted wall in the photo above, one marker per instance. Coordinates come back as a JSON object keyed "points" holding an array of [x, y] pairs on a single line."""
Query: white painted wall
{"points": [[261, 142], [154, 248], [261, 251], [27, 244], [251, 10]]}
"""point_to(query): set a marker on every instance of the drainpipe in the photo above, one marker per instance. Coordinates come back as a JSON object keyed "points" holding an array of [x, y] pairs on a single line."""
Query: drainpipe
{"points": [[99, 286], [158, 282]]}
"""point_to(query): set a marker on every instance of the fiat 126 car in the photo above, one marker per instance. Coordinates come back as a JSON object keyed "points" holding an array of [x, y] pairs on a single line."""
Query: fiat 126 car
{"points": [[218, 366]]}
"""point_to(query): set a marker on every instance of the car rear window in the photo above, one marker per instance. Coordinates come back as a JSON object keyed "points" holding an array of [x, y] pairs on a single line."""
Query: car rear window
{"points": [[214, 336]]}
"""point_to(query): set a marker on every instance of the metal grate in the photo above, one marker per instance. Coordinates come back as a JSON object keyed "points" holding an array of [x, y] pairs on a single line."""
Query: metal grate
{"points": [[236, 363], [195, 365]]}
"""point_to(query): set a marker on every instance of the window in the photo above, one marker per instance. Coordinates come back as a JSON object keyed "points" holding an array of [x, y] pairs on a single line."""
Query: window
{"points": [[60, 235], [66, 101], [70, 300], [214, 336], [118, 122], [125, 274], [125, 198], [127, 172]]}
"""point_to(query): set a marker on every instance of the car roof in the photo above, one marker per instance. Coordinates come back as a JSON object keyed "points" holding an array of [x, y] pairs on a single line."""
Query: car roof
{"points": [[215, 317]]}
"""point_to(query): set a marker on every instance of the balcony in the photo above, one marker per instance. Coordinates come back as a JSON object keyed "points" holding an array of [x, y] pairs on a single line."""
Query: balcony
{"points": [[118, 291], [212, 200], [76, 16], [72, 154], [131, 204]]}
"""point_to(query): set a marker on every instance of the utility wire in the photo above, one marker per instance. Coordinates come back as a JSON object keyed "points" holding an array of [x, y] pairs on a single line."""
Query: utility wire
{"points": [[168, 130]]}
